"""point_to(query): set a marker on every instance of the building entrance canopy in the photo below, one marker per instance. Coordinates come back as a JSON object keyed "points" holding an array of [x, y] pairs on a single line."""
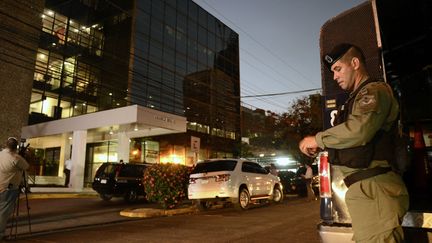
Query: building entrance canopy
{"points": [[56, 141], [134, 121]]}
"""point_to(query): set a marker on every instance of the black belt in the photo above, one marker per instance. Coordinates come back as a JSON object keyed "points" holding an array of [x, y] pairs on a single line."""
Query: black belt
{"points": [[364, 174]]}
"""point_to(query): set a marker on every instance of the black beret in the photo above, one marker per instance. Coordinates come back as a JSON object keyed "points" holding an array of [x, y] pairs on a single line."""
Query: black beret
{"points": [[336, 53]]}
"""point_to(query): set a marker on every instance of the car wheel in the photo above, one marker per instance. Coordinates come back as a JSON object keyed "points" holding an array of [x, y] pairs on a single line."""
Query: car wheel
{"points": [[105, 197], [131, 196], [202, 205], [243, 199], [277, 195]]}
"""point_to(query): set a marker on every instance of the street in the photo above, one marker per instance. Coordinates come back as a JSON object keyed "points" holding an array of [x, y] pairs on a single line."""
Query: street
{"points": [[294, 220]]}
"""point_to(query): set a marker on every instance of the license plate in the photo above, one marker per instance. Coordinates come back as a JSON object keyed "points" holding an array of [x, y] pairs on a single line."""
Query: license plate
{"points": [[103, 181], [204, 181]]}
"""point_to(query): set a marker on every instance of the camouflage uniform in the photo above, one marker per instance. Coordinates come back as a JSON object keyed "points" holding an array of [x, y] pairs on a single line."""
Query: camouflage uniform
{"points": [[377, 204]]}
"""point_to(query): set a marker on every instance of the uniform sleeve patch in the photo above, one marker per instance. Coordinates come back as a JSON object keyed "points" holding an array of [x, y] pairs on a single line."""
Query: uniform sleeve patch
{"points": [[363, 92], [367, 103]]}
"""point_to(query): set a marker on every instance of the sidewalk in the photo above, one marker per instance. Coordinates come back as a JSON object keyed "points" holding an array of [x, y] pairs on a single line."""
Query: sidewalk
{"points": [[52, 195], [53, 212]]}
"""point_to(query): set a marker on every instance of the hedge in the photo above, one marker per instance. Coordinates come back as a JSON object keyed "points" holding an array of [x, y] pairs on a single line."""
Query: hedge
{"points": [[166, 184]]}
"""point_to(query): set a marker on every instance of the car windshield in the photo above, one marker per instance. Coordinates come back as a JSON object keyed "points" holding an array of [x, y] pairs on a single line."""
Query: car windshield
{"points": [[218, 165], [106, 170]]}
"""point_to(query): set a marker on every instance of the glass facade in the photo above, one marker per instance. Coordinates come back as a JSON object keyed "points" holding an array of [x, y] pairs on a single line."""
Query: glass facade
{"points": [[170, 56], [74, 72], [177, 48]]}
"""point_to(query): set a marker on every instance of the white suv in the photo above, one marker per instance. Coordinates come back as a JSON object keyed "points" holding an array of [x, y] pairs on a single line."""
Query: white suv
{"points": [[237, 181]]}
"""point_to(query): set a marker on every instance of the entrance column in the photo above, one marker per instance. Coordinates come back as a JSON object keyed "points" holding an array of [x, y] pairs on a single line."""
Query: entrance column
{"points": [[65, 152], [79, 141], [123, 147]]}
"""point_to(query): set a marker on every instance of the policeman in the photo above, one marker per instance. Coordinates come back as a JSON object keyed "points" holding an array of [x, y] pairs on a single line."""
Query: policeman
{"points": [[12, 166], [360, 145]]}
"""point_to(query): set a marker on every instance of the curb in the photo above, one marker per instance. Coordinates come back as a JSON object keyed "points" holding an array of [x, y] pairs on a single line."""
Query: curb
{"points": [[60, 195], [152, 212]]}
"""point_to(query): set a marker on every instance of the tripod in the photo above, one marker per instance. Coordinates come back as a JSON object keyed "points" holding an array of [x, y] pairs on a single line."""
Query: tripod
{"points": [[14, 227]]}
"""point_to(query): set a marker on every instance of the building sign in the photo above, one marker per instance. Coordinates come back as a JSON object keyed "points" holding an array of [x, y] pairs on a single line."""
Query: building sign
{"points": [[165, 119]]}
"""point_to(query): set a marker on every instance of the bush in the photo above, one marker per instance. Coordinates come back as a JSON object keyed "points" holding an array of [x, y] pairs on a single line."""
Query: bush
{"points": [[166, 184]]}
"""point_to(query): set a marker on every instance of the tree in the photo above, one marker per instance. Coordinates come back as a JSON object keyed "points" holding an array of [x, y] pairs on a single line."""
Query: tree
{"points": [[269, 132], [304, 117]]}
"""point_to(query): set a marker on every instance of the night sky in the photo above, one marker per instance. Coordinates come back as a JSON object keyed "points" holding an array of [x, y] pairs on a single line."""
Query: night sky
{"points": [[279, 45]]}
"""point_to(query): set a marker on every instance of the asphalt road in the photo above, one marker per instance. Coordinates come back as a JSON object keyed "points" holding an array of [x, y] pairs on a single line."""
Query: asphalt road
{"points": [[294, 220]]}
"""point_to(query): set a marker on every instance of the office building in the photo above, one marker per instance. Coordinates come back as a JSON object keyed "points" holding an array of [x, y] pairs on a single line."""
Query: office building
{"points": [[143, 81]]}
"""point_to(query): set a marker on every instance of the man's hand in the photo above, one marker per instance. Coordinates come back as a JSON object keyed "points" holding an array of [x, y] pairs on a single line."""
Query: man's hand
{"points": [[309, 146]]}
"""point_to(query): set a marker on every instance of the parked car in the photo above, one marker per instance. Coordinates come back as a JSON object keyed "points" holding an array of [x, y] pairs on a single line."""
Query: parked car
{"points": [[120, 180], [235, 181], [288, 179], [294, 184]]}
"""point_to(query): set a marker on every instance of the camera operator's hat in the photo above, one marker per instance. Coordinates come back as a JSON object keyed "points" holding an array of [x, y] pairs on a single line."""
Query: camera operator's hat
{"points": [[335, 54]]}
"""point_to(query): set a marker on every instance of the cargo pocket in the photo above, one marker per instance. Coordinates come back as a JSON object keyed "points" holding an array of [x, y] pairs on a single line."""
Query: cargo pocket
{"points": [[363, 208]]}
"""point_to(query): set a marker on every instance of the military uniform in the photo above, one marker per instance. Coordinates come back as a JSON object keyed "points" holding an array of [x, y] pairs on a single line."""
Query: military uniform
{"points": [[376, 204]]}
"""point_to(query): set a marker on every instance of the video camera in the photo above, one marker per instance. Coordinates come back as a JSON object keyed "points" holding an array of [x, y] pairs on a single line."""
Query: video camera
{"points": [[22, 151], [22, 148]]}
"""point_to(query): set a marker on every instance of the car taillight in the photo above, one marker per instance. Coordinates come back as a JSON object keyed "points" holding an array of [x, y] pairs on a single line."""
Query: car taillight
{"points": [[192, 180], [324, 175], [223, 177]]}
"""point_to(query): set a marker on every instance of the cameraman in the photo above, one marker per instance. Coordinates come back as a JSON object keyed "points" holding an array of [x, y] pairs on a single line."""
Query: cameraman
{"points": [[12, 166]]}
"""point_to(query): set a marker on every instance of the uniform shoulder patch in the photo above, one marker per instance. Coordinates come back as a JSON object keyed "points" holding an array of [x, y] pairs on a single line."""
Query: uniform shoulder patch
{"points": [[367, 101]]}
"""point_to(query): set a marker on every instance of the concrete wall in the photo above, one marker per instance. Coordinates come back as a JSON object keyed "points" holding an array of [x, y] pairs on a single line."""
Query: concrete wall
{"points": [[20, 25]]}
